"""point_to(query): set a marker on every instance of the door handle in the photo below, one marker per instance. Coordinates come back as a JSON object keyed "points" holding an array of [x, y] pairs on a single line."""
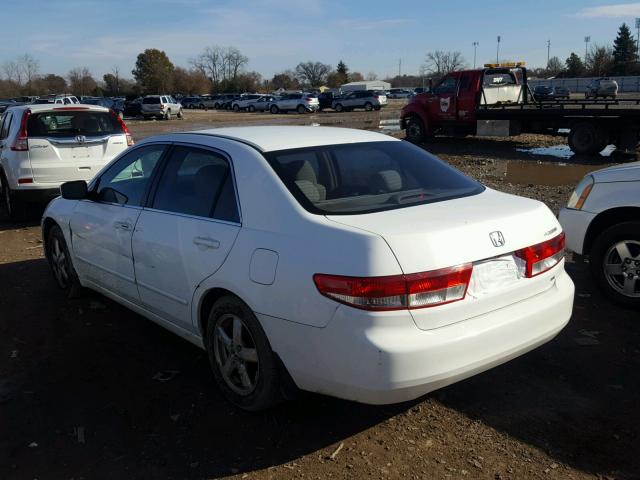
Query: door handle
{"points": [[206, 242], [126, 226]]}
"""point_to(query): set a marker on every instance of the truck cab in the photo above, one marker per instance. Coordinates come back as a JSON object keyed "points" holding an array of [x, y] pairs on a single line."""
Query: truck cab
{"points": [[450, 107]]}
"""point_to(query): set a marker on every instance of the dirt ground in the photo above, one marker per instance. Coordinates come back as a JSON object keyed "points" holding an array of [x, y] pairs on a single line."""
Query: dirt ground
{"points": [[90, 390]]}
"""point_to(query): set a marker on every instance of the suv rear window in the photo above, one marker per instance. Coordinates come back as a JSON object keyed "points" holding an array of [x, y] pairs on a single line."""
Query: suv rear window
{"points": [[151, 100], [368, 177], [71, 123]]}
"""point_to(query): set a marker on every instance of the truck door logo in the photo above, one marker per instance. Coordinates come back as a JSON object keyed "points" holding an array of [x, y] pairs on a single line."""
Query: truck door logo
{"points": [[444, 104]]}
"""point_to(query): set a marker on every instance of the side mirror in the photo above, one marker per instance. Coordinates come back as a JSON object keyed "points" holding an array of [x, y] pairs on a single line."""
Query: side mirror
{"points": [[76, 190]]}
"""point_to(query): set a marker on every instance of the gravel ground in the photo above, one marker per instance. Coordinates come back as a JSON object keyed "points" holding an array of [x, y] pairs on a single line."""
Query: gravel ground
{"points": [[89, 390]]}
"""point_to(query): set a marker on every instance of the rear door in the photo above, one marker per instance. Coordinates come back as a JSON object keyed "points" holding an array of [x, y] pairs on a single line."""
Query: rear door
{"points": [[101, 228], [442, 104], [187, 232], [72, 143]]}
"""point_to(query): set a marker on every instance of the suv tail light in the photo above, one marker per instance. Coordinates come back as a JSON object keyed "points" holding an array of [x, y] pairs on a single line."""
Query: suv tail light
{"points": [[21, 143], [309, 99], [543, 256], [397, 292], [375, 96], [161, 106], [123, 125]]}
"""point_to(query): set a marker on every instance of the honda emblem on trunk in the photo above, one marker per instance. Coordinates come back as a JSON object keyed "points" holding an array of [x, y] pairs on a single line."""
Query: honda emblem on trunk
{"points": [[81, 138], [497, 238]]}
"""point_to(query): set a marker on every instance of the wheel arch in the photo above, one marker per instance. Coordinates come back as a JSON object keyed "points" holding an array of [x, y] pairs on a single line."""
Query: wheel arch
{"points": [[607, 219], [207, 300]]}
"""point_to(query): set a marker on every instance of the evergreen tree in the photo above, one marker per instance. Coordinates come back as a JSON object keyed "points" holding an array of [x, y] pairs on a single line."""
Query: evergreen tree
{"points": [[575, 67], [342, 73], [625, 51]]}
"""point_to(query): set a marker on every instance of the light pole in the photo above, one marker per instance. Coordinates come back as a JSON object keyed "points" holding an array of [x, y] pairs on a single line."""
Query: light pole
{"points": [[498, 51], [637, 37], [475, 47], [548, 51], [587, 39]]}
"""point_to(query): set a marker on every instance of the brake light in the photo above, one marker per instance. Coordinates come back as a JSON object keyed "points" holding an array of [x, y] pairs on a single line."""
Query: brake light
{"points": [[22, 181], [22, 140], [123, 125], [375, 96], [543, 256], [397, 292], [161, 106], [309, 99]]}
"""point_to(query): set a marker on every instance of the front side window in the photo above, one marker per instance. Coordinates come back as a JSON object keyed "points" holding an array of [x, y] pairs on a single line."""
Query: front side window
{"points": [[368, 177], [197, 182], [448, 85], [127, 180]]}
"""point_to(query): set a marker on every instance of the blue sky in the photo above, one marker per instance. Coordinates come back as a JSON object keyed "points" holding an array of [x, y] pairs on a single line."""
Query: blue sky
{"points": [[278, 34]]}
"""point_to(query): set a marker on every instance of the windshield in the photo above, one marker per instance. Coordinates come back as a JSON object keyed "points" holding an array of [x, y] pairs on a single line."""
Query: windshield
{"points": [[368, 177], [71, 123]]}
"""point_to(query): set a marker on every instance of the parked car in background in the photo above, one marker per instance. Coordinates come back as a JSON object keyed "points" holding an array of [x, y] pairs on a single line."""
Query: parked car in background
{"points": [[244, 101], [236, 251], [262, 104], [542, 93], [602, 222], [43, 146], [561, 93], [419, 90], [299, 102], [4, 104], [115, 105], [602, 87], [57, 100], [400, 93], [212, 101], [191, 102], [161, 107], [364, 99], [325, 99], [133, 107], [225, 101]]}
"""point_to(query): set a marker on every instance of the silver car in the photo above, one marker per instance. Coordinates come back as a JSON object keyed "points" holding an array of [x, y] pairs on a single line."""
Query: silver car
{"points": [[243, 102], [160, 106], [365, 99], [602, 87], [262, 104], [299, 102]]}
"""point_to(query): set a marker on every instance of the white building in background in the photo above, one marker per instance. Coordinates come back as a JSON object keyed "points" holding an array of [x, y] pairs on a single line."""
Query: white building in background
{"points": [[366, 85]]}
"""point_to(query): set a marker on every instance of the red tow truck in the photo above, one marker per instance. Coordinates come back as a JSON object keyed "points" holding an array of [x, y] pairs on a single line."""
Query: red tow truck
{"points": [[497, 101]]}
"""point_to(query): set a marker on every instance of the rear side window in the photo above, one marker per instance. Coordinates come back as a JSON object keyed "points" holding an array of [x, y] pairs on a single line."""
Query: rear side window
{"points": [[197, 182], [368, 177], [151, 100], [6, 125], [68, 123]]}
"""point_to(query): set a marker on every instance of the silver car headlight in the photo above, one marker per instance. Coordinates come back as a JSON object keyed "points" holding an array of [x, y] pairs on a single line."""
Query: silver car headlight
{"points": [[581, 192]]}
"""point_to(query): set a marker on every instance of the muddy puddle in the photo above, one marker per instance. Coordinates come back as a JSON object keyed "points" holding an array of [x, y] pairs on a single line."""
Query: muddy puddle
{"points": [[525, 173], [561, 151]]}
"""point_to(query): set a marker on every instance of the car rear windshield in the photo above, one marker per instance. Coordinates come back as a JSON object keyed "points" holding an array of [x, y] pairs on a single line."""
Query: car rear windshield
{"points": [[151, 100], [72, 123], [368, 177]]}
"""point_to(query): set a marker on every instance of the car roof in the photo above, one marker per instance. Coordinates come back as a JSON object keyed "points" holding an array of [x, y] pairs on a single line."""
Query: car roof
{"points": [[46, 107], [272, 138]]}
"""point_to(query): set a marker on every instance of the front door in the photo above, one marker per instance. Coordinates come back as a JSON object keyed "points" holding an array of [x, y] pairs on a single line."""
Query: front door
{"points": [[186, 233], [442, 104], [102, 227]]}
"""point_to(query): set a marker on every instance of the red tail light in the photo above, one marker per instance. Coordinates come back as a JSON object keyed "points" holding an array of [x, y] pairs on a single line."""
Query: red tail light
{"points": [[397, 292], [123, 125], [376, 97], [22, 181], [543, 256], [22, 141], [161, 106], [309, 99]]}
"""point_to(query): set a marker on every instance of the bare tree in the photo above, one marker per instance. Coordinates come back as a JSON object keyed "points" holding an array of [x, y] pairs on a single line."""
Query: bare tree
{"points": [[372, 76], [313, 74], [439, 62], [554, 67], [81, 81], [29, 67], [220, 64], [599, 61], [13, 72]]}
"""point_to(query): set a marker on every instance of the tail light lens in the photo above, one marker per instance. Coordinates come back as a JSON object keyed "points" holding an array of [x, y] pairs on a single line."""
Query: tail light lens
{"points": [[21, 143], [543, 256], [309, 99], [376, 97], [161, 106], [125, 130], [397, 292]]}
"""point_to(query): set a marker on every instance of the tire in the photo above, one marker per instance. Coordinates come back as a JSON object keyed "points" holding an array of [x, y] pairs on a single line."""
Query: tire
{"points": [[180, 114], [14, 210], [619, 248], [274, 109], [368, 106], [243, 364], [202, 107], [167, 116], [216, 105], [300, 109], [236, 108], [251, 108], [60, 262], [587, 138], [414, 131], [339, 107], [377, 108]]}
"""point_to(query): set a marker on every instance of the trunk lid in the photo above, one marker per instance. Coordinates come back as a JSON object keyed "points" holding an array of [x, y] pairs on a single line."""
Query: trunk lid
{"points": [[444, 234]]}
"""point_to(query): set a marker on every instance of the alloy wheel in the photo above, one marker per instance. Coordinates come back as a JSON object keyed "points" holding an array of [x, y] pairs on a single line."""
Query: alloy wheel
{"points": [[236, 354], [59, 262], [621, 266]]}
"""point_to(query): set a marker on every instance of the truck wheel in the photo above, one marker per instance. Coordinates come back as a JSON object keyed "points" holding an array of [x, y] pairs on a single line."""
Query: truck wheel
{"points": [[414, 130], [587, 138], [615, 263]]}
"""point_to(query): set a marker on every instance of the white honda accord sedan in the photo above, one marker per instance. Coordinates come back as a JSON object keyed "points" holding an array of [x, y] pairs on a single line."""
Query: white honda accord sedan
{"points": [[337, 261]]}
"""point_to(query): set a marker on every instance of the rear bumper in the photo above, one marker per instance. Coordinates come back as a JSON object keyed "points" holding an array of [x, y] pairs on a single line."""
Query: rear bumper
{"points": [[575, 224], [381, 359]]}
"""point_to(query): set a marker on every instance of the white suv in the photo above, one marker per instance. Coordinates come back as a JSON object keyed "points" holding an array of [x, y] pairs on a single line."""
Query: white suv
{"points": [[42, 146], [161, 107], [602, 221], [299, 102]]}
